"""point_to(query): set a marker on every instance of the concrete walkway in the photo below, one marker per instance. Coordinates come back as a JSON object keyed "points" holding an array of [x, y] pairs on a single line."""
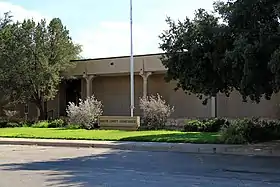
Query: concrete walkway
{"points": [[265, 149]]}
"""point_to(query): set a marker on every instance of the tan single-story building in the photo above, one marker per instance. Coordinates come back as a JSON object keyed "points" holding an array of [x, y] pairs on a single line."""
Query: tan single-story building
{"points": [[109, 80]]}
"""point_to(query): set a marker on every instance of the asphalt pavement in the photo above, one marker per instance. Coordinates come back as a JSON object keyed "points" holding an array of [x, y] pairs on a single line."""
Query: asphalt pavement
{"points": [[33, 166]]}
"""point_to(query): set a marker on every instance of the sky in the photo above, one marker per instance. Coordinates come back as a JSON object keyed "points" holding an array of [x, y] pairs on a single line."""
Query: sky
{"points": [[102, 26]]}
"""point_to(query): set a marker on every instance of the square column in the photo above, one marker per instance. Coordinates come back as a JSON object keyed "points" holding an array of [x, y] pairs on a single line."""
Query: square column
{"points": [[213, 107], [145, 76], [88, 79]]}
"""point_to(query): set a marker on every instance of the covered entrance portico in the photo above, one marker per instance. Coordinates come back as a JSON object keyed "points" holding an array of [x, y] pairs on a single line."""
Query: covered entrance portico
{"points": [[113, 91]]}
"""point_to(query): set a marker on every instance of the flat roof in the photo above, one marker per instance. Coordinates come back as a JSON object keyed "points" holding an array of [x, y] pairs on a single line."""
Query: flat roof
{"points": [[116, 57]]}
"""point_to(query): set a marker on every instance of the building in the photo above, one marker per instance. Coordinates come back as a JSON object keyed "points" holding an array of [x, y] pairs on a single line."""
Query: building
{"points": [[108, 79]]}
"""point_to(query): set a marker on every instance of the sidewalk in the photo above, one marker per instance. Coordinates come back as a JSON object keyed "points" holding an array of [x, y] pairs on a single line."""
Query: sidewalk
{"points": [[261, 149], [268, 149]]}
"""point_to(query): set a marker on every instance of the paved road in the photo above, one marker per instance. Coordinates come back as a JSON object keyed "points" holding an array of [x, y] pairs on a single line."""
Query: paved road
{"points": [[31, 166]]}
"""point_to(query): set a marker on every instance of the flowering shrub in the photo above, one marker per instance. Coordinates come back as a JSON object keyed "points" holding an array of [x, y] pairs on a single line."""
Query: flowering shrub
{"points": [[85, 113], [10, 114], [155, 111]]}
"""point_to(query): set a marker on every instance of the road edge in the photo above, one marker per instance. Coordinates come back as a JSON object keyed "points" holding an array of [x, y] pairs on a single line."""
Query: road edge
{"points": [[143, 146]]}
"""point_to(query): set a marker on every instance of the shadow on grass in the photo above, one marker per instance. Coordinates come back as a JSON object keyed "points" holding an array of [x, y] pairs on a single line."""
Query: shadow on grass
{"points": [[140, 136], [177, 138]]}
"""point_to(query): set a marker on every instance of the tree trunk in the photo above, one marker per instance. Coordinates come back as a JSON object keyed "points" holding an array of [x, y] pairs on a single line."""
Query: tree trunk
{"points": [[42, 112], [46, 110]]}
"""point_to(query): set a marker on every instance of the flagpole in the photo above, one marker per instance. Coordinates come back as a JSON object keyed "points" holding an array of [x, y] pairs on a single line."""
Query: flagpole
{"points": [[131, 65]]}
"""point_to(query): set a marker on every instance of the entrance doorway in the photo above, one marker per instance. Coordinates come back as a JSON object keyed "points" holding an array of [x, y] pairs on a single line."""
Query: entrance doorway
{"points": [[72, 93]]}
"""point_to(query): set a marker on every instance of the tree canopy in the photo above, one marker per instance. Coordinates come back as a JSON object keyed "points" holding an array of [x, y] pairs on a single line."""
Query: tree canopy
{"points": [[236, 47], [33, 56]]}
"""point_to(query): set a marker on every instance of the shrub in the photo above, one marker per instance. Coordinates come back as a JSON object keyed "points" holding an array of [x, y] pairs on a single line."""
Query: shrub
{"points": [[6, 124], [27, 124], [58, 123], [41, 124], [155, 112], [250, 131], [72, 126], [235, 132], [208, 125], [194, 126], [3, 123], [13, 125], [264, 130], [216, 124], [85, 113]]}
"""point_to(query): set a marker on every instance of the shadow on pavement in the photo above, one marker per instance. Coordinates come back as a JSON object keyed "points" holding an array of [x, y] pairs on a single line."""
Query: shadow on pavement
{"points": [[123, 168]]}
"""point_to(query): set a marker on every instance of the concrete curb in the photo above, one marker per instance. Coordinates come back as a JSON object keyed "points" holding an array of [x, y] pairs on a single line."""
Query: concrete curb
{"points": [[143, 146]]}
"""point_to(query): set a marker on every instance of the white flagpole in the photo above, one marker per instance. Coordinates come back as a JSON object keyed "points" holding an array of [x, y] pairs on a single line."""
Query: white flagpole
{"points": [[131, 65]]}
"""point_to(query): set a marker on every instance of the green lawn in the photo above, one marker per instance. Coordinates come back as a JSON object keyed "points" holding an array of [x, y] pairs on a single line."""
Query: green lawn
{"points": [[113, 135]]}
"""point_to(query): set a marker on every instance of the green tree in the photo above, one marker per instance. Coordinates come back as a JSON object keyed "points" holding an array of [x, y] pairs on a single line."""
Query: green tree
{"points": [[35, 56], [238, 49], [5, 28], [6, 20]]}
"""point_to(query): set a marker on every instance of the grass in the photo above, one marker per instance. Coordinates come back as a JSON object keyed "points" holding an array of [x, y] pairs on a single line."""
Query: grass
{"points": [[110, 135]]}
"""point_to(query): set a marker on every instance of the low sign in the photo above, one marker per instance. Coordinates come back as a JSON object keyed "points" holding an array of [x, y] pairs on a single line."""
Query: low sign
{"points": [[119, 122]]}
